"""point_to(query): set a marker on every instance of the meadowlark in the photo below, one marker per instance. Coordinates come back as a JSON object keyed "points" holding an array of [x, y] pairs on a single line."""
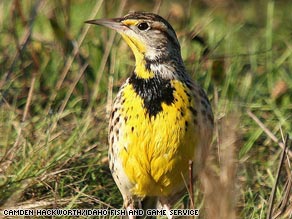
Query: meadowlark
{"points": [[160, 119]]}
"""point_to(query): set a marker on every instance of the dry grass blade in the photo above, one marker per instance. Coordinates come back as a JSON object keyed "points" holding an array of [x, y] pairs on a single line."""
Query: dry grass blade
{"points": [[191, 184], [33, 204], [69, 93], [10, 154], [272, 196], [269, 133], [284, 207]]}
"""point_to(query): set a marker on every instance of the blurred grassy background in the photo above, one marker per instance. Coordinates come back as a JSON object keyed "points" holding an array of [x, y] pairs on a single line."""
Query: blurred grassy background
{"points": [[58, 77]]}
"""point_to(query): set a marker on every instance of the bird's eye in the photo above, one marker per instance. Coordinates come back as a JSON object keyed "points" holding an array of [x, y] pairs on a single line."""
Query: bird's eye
{"points": [[143, 26]]}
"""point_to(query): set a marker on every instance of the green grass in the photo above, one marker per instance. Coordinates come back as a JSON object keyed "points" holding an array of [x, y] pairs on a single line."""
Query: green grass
{"points": [[54, 100]]}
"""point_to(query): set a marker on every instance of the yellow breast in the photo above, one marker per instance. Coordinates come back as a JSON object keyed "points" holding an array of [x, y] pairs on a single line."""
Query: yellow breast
{"points": [[155, 150]]}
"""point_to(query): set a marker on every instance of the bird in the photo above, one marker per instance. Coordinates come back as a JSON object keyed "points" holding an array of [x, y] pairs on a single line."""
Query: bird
{"points": [[160, 120]]}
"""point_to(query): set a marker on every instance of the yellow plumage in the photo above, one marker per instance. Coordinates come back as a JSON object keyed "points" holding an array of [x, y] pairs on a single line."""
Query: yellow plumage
{"points": [[158, 148]]}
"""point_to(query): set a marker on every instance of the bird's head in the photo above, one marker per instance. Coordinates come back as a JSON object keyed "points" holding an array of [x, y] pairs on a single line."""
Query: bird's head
{"points": [[149, 35]]}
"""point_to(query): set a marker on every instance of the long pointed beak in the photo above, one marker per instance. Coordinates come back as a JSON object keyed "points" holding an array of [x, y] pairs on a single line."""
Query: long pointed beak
{"points": [[113, 23]]}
